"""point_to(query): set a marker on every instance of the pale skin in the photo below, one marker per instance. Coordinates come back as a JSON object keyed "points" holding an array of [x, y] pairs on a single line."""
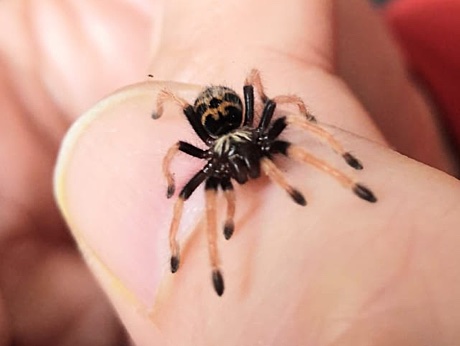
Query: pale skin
{"points": [[339, 271]]}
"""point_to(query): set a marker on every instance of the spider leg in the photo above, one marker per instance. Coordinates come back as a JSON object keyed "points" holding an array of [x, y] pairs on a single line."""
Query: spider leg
{"points": [[172, 151], [270, 169], [248, 91], [318, 131], [276, 128], [294, 99], [229, 193], [211, 196], [299, 154], [186, 192], [267, 115], [167, 95], [254, 80]]}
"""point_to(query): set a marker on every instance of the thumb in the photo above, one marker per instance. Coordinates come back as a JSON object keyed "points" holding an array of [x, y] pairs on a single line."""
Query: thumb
{"points": [[285, 268], [108, 187]]}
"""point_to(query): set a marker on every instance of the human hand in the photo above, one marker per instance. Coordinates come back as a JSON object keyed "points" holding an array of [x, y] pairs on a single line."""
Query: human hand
{"points": [[359, 278], [57, 59]]}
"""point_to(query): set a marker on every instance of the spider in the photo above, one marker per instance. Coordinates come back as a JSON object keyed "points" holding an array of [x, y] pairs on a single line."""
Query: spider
{"points": [[239, 151]]}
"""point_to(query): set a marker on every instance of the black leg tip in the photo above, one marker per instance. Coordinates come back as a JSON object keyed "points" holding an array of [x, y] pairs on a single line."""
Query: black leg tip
{"points": [[312, 119], [218, 282], [170, 191], [364, 193], [228, 229], [298, 197], [352, 161], [174, 264], [155, 115]]}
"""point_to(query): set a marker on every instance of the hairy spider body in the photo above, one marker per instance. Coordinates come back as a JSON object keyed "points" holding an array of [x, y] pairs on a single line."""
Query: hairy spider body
{"points": [[236, 155], [239, 151]]}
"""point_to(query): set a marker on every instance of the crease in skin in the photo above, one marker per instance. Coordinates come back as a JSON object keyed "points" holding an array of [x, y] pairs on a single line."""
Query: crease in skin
{"points": [[65, 155]]}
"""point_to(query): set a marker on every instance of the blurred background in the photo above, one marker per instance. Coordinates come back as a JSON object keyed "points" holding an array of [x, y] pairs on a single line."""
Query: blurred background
{"points": [[379, 2]]}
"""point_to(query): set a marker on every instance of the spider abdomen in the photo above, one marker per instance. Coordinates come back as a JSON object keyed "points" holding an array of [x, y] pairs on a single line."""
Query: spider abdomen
{"points": [[220, 110]]}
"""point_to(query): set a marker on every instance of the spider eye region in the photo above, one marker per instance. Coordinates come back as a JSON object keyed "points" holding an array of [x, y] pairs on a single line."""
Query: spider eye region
{"points": [[220, 110]]}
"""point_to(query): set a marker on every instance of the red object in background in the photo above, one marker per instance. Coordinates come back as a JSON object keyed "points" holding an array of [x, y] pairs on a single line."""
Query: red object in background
{"points": [[429, 34]]}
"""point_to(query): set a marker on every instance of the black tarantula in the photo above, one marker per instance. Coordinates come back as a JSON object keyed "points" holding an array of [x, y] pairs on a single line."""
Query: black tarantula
{"points": [[238, 150]]}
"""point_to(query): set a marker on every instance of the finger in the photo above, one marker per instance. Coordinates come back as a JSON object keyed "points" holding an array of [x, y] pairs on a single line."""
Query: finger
{"points": [[110, 189], [237, 34], [294, 57], [70, 52], [372, 65]]}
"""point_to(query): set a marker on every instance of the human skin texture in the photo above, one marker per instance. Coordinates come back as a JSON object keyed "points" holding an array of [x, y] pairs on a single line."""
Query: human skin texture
{"points": [[339, 271]]}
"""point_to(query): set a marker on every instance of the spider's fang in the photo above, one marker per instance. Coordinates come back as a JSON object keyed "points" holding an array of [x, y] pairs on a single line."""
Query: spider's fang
{"points": [[170, 191], [228, 229], [218, 282], [364, 193], [298, 197], [174, 264], [352, 161]]}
